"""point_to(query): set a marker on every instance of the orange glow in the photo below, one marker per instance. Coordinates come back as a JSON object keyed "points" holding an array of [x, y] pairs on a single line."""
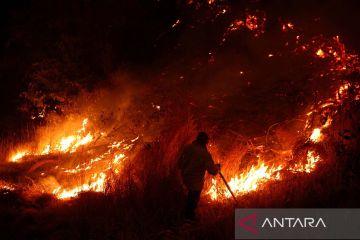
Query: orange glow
{"points": [[247, 181], [93, 171], [176, 23], [320, 53], [316, 135], [79, 161], [6, 186], [254, 23], [96, 184], [236, 25], [18, 156], [311, 159], [262, 172], [63, 144], [287, 26]]}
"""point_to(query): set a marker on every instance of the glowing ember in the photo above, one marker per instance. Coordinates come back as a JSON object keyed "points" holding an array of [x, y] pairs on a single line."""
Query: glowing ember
{"points": [[251, 22], [320, 53], [342, 91], [6, 186], [254, 23], [176, 23], [236, 25], [316, 135], [286, 27]]}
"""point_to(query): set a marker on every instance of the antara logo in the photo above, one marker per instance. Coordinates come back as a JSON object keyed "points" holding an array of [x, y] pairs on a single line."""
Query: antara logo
{"points": [[293, 222], [288, 222], [251, 218]]}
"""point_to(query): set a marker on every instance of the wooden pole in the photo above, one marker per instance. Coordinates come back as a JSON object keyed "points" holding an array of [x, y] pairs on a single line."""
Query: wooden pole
{"points": [[228, 187]]}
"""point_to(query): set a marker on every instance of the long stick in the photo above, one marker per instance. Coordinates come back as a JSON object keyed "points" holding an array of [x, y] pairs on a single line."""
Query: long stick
{"points": [[228, 187]]}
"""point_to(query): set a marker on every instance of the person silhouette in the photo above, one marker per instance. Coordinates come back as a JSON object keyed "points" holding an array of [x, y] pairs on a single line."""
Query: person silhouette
{"points": [[194, 161]]}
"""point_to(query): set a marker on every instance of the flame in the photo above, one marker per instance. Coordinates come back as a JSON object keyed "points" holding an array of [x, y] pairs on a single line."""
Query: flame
{"points": [[97, 184], [6, 186], [258, 175], [95, 168], [262, 172], [19, 155], [94, 171], [251, 22], [316, 135], [320, 53], [64, 144], [247, 181], [311, 160]]}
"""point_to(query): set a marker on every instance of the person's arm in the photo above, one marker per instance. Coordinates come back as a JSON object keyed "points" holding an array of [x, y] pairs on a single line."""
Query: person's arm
{"points": [[211, 167]]}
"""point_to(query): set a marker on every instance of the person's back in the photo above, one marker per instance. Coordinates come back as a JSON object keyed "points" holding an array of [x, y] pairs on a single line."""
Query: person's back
{"points": [[194, 161]]}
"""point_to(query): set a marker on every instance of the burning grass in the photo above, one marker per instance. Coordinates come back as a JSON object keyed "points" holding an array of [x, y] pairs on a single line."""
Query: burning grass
{"points": [[77, 148], [111, 160]]}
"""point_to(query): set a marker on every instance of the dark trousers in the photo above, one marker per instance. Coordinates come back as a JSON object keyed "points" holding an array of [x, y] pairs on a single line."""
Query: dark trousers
{"points": [[192, 200]]}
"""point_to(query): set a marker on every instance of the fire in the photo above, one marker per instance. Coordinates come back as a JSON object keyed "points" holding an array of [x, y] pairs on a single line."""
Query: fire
{"points": [[316, 135], [320, 53], [93, 171], [97, 184], [287, 26], [343, 89], [96, 166], [236, 25], [71, 143], [64, 144], [261, 173], [18, 155], [311, 160], [252, 22], [6, 186], [248, 181]]}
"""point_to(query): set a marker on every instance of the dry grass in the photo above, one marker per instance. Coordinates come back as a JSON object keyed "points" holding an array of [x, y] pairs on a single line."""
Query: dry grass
{"points": [[148, 197]]}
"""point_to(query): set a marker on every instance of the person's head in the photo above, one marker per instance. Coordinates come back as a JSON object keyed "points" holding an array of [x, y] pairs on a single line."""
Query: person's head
{"points": [[202, 138]]}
